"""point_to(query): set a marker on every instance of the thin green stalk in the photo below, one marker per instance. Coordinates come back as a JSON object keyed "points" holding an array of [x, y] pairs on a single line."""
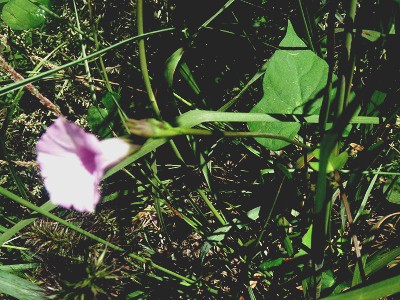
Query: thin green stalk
{"points": [[196, 117], [146, 129], [84, 55], [206, 23], [145, 72], [212, 207], [321, 203], [264, 228], [121, 113], [330, 142], [97, 45], [326, 104], [143, 61], [350, 52], [53, 217], [348, 61], [306, 25]]}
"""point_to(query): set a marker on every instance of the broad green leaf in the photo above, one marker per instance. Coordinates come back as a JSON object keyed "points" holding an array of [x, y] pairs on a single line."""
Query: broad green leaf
{"points": [[97, 120], [266, 265], [109, 100], [381, 260], [334, 162], [18, 267], [377, 100], [204, 251], [357, 279], [394, 194], [306, 241], [171, 64], [339, 161], [19, 288], [254, 213], [293, 83], [23, 14], [219, 234], [371, 35], [101, 120], [374, 264], [189, 78], [327, 280]]}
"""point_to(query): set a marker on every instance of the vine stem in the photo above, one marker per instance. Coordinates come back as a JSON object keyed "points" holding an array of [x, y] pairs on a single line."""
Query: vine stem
{"points": [[143, 61], [155, 129]]}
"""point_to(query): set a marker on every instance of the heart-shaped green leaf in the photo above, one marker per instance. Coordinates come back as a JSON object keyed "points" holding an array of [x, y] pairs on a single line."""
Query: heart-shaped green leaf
{"points": [[101, 120], [24, 14], [293, 83]]}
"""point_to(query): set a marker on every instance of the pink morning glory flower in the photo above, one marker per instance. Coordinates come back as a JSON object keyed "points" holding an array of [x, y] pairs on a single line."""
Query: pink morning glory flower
{"points": [[72, 163]]}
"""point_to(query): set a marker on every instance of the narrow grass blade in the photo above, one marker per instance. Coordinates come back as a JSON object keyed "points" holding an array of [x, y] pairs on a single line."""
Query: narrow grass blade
{"points": [[381, 260], [18, 267], [18, 84], [256, 76], [19, 288], [367, 194], [372, 292], [206, 23], [171, 64]]}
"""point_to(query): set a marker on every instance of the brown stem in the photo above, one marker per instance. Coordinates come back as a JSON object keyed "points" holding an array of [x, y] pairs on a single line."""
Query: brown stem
{"points": [[15, 76]]}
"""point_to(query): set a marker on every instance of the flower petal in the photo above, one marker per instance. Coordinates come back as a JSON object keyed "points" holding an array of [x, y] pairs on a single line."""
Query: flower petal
{"points": [[72, 163], [66, 137], [67, 159], [69, 183], [113, 151]]}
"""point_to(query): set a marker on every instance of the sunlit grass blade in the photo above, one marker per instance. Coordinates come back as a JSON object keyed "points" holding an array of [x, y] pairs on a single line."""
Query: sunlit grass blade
{"points": [[371, 292]]}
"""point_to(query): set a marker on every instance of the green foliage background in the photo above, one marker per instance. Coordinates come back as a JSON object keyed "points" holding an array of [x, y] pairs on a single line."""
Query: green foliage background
{"points": [[279, 177]]}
